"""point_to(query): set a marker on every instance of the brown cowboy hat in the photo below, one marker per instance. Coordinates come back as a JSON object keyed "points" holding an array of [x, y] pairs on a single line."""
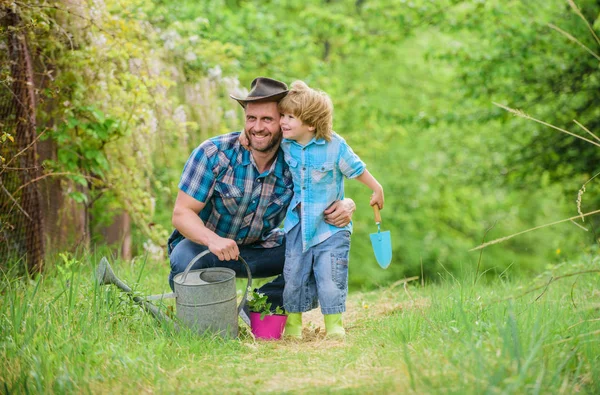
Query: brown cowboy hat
{"points": [[263, 89]]}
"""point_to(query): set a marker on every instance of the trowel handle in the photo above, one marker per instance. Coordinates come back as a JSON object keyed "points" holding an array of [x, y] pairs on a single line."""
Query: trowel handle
{"points": [[377, 215]]}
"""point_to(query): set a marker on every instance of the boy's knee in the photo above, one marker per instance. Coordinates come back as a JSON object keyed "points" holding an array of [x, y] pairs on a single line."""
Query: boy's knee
{"points": [[331, 291]]}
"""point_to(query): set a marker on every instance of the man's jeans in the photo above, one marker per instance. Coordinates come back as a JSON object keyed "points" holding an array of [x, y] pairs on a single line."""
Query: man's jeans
{"points": [[263, 262]]}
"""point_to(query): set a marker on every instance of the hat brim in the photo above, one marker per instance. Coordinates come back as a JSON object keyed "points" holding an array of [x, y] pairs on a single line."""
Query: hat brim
{"points": [[276, 97]]}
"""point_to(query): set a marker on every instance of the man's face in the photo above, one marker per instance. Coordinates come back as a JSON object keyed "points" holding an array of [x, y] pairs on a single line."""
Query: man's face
{"points": [[262, 126]]}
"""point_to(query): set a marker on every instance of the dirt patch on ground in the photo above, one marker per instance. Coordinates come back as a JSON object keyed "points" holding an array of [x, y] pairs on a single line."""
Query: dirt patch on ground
{"points": [[368, 305], [298, 371], [360, 307]]}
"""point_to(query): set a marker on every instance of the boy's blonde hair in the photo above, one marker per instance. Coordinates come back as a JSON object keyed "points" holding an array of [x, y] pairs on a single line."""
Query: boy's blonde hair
{"points": [[312, 107]]}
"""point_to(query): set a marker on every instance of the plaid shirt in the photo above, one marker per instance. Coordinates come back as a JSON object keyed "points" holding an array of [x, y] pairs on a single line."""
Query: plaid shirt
{"points": [[318, 169], [241, 204]]}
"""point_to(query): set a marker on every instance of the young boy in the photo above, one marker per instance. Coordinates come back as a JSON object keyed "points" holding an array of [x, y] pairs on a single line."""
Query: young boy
{"points": [[316, 259]]}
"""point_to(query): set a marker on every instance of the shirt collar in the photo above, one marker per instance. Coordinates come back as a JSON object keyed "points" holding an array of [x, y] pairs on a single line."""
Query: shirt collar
{"points": [[314, 140], [245, 157], [277, 167]]}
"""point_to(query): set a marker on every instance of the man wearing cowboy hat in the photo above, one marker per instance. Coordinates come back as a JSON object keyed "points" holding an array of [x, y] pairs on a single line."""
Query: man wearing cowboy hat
{"points": [[231, 201]]}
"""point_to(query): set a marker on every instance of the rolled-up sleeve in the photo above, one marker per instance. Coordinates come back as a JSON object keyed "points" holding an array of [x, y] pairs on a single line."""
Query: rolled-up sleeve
{"points": [[350, 164], [198, 177]]}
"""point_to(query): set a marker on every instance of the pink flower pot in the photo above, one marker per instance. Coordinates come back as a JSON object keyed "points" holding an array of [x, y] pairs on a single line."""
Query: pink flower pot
{"points": [[270, 327]]}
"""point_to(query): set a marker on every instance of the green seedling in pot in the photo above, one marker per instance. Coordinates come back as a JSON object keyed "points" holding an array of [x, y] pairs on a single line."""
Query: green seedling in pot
{"points": [[259, 303]]}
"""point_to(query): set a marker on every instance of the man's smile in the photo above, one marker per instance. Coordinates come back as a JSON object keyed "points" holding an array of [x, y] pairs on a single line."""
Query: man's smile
{"points": [[260, 135]]}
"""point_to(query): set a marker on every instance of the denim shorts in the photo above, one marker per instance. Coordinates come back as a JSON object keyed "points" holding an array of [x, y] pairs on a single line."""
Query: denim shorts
{"points": [[317, 276]]}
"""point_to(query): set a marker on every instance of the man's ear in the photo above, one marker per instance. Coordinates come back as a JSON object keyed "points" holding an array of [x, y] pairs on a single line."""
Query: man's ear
{"points": [[311, 128]]}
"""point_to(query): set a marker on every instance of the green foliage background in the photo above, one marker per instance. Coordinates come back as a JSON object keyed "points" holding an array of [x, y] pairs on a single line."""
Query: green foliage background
{"points": [[141, 83]]}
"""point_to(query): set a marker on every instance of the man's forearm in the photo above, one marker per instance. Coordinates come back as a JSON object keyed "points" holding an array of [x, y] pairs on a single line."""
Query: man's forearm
{"points": [[189, 224]]}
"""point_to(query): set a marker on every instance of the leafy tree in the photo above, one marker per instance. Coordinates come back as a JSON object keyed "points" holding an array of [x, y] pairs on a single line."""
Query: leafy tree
{"points": [[517, 56]]}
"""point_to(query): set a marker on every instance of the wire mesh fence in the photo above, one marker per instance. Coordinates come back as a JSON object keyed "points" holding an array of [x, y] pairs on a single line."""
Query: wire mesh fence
{"points": [[21, 220]]}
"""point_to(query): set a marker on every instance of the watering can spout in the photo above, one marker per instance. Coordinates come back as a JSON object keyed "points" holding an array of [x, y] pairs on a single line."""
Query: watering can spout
{"points": [[205, 298], [101, 271], [106, 276]]}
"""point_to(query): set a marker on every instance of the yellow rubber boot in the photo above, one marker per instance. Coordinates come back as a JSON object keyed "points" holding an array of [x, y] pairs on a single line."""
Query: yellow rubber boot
{"points": [[293, 326], [334, 326]]}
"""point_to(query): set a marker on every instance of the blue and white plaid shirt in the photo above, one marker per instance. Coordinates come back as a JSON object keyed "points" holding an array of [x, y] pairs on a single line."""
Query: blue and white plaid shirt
{"points": [[241, 204], [318, 169]]}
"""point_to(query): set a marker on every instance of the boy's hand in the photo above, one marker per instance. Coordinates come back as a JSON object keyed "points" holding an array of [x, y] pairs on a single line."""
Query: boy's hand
{"points": [[377, 198], [244, 142]]}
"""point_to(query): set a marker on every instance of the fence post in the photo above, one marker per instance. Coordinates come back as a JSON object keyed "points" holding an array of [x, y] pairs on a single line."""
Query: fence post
{"points": [[21, 219]]}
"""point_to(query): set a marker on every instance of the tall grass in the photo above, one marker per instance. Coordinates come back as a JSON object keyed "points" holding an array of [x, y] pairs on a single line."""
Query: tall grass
{"points": [[61, 333]]}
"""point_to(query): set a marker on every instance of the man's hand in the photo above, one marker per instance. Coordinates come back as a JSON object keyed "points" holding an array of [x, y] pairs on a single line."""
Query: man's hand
{"points": [[225, 249], [188, 223], [340, 213], [244, 141]]}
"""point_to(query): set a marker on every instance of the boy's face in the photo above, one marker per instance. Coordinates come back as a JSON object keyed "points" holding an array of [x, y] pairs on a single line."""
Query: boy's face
{"points": [[262, 126], [294, 129]]}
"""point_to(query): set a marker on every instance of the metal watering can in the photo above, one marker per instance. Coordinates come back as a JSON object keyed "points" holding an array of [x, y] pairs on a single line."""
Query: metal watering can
{"points": [[205, 298]]}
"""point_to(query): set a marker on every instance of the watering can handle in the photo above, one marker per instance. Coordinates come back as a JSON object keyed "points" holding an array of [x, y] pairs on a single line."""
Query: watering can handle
{"points": [[192, 262], [248, 285]]}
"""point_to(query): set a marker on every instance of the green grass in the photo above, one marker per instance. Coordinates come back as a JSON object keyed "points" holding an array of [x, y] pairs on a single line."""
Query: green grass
{"points": [[60, 333]]}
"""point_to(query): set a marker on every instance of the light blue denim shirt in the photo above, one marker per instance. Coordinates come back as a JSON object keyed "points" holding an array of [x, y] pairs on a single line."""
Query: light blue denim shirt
{"points": [[318, 171]]}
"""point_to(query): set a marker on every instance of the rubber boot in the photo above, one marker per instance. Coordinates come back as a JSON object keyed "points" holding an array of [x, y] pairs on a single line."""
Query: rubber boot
{"points": [[334, 326], [293, 326]]}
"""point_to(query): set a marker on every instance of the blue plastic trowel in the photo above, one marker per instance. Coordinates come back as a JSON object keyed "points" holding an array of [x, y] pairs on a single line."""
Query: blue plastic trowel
{"points": [[382, 242]]}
